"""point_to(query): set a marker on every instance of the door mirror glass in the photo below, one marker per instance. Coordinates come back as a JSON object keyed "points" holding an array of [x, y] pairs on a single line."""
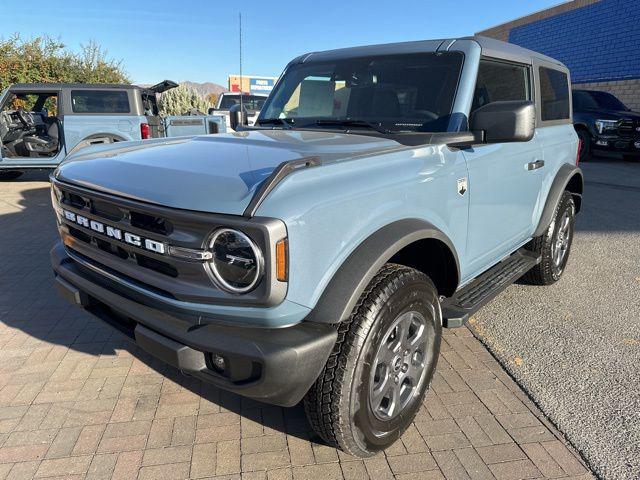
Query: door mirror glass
{"points": [[505, 121]]}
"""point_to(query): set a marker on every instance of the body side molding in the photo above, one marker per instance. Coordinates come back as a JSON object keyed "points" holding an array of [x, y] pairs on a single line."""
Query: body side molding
{"points": [[343, 291]]}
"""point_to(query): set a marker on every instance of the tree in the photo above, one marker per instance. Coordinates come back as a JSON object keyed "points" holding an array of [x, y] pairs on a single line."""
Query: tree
{"points": [[182, 100], [212, 98], [44, 59]]}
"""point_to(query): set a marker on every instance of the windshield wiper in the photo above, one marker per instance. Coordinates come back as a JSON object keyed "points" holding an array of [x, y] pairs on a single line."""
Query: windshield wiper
{"points": [[354, 123], [282, 121]]}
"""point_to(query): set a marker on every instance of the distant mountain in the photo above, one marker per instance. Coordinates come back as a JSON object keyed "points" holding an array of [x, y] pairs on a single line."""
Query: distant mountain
{"points": [[204, 89]]}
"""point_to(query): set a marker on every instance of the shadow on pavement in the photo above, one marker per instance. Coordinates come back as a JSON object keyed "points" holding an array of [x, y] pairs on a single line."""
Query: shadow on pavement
{"points": [[611, 196]]}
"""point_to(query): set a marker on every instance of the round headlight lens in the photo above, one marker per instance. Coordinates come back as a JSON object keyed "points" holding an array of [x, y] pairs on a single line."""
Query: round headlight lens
{"points": [[237, 263]]}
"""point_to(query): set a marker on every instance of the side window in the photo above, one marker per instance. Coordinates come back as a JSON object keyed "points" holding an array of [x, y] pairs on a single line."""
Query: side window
{"points": [[554, 94], [500, 81], [46, 104], [100, 101]]}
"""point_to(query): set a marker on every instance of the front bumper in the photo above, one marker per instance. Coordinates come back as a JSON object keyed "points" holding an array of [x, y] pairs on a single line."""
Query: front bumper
{"points": [[615, 143], [272, 365]]}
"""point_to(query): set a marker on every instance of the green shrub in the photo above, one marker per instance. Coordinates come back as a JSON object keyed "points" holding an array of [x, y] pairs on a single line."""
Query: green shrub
{"points": [[43, 59], [182, 100]]}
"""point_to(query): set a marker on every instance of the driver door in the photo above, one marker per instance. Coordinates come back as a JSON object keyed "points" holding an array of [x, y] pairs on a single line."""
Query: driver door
{"points": [[504, 189], [43, 108]]}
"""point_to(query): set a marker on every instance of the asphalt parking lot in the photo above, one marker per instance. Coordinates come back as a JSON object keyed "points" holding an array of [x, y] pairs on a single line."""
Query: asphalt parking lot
{"points": [[575, 346], [78, 400]]}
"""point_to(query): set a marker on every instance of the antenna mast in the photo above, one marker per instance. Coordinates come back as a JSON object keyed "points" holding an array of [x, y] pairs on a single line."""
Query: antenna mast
{"points": [[241, 78]]}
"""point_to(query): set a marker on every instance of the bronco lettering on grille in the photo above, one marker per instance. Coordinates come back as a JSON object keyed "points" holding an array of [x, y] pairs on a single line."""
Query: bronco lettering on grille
{"points": [[116, 233]]}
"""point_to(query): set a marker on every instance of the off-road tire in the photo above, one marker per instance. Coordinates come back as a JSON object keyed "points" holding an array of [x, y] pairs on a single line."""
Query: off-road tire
{"points": [[547, 272], [337, 405], [7, 175]]}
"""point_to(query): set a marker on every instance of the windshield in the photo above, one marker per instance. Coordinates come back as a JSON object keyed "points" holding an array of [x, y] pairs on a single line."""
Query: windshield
{"points": [[250, 102], [597, 100], [402, 93]]}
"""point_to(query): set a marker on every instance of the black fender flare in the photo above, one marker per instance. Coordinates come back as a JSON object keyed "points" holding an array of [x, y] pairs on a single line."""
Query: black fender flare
{"points": [[352, 277], [96, 139], [566, 175]]}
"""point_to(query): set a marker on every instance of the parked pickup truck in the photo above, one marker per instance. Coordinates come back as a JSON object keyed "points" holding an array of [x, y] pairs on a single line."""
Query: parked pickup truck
{"points": [[385, 192], [252, 104], [604, 123], [41, 124]]}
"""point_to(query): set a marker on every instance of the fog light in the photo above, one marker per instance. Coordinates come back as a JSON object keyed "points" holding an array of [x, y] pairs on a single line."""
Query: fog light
{"points": [[602, 143], [219, 362]]}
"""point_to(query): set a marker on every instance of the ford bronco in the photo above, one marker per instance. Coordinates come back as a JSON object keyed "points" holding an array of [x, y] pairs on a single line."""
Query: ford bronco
{"points": [[384, 193], [42, 123]]}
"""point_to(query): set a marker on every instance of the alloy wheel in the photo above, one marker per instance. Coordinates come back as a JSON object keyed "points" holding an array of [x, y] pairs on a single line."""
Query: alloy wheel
{"points": [[560, 245], [399, 365]]}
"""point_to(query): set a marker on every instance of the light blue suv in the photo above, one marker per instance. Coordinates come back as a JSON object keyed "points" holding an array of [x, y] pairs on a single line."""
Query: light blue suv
{"points": [[42, 123], [384, 193]]}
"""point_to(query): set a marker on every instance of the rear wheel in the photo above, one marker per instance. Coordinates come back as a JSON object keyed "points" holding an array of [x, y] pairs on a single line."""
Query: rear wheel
{"points": [[376, 377], [585, 149], [554, 245], [10, 174]]}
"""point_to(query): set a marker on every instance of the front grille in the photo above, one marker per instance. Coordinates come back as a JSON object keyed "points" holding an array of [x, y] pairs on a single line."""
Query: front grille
{"points": [[150, 223], [628, 129], [113, 248], [182, 278], [109, 211]]}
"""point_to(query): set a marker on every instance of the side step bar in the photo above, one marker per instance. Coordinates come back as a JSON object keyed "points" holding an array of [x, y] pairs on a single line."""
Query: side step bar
{"points": [[457, 309]]}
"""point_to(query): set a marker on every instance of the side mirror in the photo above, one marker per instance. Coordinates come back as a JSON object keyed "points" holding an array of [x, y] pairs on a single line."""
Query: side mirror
{"points": [[211, 111], [237, 117], [505, 121]]}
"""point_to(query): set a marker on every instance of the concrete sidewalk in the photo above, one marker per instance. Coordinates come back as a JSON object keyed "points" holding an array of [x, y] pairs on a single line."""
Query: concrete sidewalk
{"points": [[78, 400]]}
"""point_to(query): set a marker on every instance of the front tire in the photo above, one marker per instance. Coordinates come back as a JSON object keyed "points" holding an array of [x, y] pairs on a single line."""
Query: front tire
{"points": [[7, 175], [554, 245], [381, 366]]}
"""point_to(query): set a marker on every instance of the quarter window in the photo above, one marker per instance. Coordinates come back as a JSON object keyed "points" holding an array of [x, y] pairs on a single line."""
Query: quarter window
{"points": [[554, 94], [100, 101], [500, 81]]}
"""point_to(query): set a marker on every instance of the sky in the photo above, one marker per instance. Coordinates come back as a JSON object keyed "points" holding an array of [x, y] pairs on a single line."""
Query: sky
{"points": [[197, 40]]}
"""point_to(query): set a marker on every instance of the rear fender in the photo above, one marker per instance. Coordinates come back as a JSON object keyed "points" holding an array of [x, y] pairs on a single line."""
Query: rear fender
{"points": [[97, 139], [569, 177]]}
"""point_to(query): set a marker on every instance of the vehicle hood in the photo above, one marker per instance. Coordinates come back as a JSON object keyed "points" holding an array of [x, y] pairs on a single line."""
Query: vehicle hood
{"points": [[213, 173]]}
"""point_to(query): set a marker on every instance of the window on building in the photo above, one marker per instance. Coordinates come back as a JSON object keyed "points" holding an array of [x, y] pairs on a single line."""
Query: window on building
{"points": [[500, 81], [554, 94], [100, 101]]}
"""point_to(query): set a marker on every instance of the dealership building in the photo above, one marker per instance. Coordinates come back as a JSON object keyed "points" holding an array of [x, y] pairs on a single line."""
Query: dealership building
{"points": [[251, 84], [598, 40]]}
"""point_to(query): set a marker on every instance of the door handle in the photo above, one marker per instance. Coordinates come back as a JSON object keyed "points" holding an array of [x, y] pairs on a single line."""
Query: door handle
{"points": [[535, 165]]}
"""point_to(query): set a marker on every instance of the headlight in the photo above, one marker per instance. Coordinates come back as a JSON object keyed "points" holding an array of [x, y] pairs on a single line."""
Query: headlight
{"points": [[604, 126], [237, 264]]}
